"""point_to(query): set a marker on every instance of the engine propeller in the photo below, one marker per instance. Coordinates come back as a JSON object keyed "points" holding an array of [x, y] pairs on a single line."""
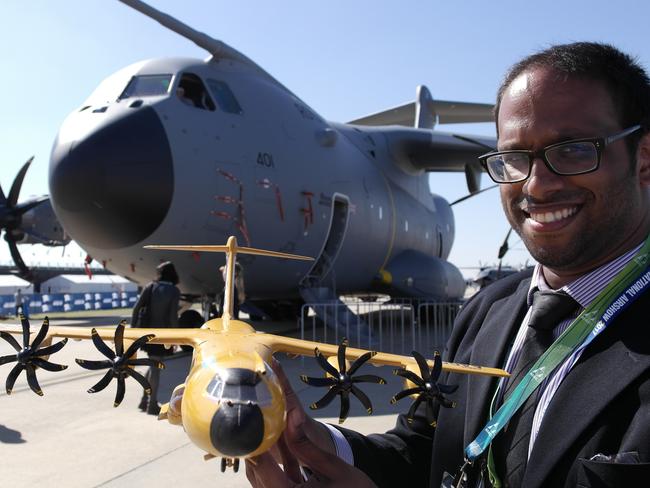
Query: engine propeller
{"points": [[119, 363], [30, 357], [11, 213], [342, 382], [427, 388]]}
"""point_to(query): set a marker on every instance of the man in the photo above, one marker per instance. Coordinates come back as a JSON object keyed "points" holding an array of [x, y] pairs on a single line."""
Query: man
{"points": [[573, 162]]}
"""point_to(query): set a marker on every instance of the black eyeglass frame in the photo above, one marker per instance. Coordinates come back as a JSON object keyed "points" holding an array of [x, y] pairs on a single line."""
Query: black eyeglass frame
{"points": [[599, 143]]}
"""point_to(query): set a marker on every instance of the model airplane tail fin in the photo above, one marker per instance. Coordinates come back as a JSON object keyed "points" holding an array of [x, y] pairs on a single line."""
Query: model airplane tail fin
{"points": [[231, 249]]}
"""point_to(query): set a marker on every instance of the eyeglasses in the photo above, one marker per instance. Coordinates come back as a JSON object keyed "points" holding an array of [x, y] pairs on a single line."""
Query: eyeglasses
{"points": [[567, 158]]}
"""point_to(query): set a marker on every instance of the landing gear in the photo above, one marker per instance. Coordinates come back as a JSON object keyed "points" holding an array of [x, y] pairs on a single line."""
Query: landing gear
{"points": [[230, 463]]}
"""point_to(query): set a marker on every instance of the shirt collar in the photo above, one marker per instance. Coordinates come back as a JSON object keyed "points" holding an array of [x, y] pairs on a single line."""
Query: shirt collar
{"points": [[587, 287]]}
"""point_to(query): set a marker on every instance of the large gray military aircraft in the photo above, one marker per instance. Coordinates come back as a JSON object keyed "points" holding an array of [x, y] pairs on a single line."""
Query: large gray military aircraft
{"points": [[186, 151]]}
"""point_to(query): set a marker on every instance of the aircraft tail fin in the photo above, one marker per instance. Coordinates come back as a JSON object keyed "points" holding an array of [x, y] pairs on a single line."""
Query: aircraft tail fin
{"points": [[231, 249]]}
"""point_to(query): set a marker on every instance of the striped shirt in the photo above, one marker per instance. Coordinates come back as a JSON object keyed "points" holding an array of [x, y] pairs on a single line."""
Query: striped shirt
{"points": [[583, 290]]}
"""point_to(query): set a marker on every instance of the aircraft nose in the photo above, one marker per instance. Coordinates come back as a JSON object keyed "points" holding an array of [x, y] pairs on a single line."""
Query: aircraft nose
{"points": [[237, 429], [113, 187]]}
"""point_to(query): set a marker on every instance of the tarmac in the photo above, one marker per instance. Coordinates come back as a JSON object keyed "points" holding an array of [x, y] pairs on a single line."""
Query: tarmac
{"points": [[69, 438]]}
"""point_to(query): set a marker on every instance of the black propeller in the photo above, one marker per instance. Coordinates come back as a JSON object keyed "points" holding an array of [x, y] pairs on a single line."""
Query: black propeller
{"points": [[11, 213], [30, 357], [427, 388], [119, 363], [342, 382]]}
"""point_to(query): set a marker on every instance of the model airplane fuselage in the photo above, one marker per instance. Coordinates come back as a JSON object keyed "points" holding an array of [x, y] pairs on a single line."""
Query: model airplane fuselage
{"points": [[183, 149]]}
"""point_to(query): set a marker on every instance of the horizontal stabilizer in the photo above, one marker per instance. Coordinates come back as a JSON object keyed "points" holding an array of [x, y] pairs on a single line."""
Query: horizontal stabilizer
{"points": [[443, 112], [238, 250]]}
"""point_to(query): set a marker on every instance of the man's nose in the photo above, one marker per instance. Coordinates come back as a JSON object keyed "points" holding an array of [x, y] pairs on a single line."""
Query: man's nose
{"points": [[542, 180]]}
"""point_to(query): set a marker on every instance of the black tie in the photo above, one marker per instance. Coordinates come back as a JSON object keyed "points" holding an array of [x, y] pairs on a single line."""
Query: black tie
{"points": [[510, 447]]}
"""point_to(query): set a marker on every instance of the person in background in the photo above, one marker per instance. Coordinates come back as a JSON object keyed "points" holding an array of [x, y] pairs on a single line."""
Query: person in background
{"points": [[157, 307], [18, 302]]}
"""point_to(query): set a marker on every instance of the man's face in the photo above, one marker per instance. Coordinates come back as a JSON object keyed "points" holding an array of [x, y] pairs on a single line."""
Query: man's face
{"points": [[570, 224]]}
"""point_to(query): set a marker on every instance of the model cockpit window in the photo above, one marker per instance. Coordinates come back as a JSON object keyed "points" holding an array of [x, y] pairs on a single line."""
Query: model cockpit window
{"points": [[147, 86], [224, 96], [240, 386], [191, 91]]}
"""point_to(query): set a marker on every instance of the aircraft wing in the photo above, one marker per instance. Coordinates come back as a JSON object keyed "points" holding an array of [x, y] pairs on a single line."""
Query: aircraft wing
{"points": [[301, 347], [163, 336]]}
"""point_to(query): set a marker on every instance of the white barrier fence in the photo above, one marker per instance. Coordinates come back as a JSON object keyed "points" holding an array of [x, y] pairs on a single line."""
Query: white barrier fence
{"points": [[397, 326]]}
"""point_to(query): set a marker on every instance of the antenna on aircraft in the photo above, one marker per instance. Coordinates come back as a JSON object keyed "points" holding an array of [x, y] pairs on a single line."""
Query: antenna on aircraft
{"points": [[231, 249], [218, 49]]}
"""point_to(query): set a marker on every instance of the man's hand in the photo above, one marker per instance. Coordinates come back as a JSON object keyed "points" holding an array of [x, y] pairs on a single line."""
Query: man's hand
{"points": [[304, 442]]}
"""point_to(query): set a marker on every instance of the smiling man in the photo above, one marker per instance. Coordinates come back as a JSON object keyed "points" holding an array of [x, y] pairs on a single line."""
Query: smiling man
{"points": [[573, 164]]}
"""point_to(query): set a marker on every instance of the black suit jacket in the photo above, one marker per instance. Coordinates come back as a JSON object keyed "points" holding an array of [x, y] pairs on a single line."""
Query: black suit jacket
{"points": [[601, 407]]}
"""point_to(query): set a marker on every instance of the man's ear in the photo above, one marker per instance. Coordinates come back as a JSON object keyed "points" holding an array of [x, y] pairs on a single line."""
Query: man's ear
{"points": [[643, 160]]}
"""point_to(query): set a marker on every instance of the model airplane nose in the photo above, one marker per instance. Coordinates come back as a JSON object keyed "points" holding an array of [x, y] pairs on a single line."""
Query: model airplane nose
{"points": [[113, 187], [237, 429]]}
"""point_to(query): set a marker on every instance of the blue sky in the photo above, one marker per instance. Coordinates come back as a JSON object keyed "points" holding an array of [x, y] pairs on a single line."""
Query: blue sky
{"points": [[345, 59]]}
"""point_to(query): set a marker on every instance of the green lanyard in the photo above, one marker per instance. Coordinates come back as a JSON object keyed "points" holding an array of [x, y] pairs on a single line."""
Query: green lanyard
{"points": [[626, 286]]}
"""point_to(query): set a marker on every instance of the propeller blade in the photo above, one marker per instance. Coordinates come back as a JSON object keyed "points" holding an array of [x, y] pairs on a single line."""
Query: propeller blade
{"points": [[101, 345], [140, 379], [119, 338], [363, 398], [103, 383], [437, 366], [22, 208], [11, 378], [18, 183], [326, 400], [25, 324], [121, 388], [8, 359], [325, 365], [413, 409], [369, 378], [341, 356], [10, 339], [359, 361], [404, 394], [409, 375], [424, 367], [318, 382], [345, 406], [138, 344], [146, 362], [41, 334], [32, 381], [46, 351], [23, 271], [48, 366], [93, 365]]}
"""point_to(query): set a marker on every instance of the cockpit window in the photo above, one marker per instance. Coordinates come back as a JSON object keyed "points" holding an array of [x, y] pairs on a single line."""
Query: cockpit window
{"points": [[147, 86], [239, 386], [191, 91], [224, 96]]}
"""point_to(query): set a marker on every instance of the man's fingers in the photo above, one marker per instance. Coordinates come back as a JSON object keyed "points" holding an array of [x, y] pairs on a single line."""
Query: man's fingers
{"points": [[293, 402], [289, 461], [266, 473]]}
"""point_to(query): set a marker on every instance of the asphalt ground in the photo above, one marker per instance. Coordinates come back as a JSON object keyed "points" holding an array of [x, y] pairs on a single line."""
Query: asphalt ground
{"points": [[69, 438]]}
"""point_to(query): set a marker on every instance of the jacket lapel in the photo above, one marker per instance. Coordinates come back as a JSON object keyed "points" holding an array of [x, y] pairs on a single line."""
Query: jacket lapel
{"points": [[491, 347], [605, 369]]}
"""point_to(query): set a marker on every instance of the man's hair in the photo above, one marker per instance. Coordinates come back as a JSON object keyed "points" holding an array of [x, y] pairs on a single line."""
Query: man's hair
{"points": [[625, 80], [167, 272]]}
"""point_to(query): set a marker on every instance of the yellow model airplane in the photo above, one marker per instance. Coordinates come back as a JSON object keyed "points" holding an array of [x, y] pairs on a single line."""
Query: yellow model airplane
{"points": [[231, 404]]}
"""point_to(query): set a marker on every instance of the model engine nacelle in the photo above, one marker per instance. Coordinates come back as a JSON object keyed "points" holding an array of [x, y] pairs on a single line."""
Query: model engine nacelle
{"points": [[413, 274]]}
